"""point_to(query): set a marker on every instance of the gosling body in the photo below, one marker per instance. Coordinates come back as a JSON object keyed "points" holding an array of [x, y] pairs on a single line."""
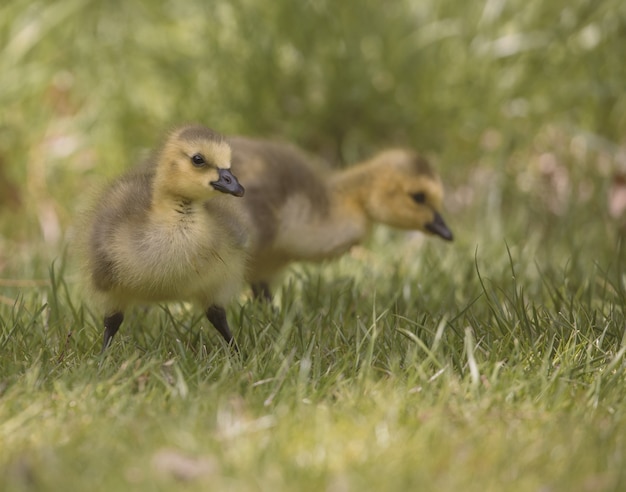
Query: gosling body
{"points": [[169, 231], [307, 212]]}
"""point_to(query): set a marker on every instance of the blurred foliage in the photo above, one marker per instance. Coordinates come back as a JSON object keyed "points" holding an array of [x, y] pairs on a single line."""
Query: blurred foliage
{"points": [[87, 85]]}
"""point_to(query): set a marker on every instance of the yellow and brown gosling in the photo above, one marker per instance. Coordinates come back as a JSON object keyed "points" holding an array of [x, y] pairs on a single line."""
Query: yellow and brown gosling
{"points": [[169, 231], [301, 211]]}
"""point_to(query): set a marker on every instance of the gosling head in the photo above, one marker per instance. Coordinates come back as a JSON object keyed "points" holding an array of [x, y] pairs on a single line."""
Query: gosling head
{"points": [[406, 193], [195, 162]]}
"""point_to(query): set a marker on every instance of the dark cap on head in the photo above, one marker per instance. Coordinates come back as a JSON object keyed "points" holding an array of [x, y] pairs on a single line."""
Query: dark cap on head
{"points": [[421, 165], [199, 132]]}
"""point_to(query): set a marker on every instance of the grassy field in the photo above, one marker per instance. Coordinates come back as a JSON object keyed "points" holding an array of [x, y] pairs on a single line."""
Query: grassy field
{"points": [[492, 363]]}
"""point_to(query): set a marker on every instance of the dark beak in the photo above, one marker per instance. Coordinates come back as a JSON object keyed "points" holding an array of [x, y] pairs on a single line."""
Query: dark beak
{"points": [[439, 227], [227, 183]]}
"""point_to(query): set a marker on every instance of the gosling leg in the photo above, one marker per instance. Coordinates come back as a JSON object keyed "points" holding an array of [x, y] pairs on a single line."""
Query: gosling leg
{"points": [[261, 292], [111, 325], [217, 317]]}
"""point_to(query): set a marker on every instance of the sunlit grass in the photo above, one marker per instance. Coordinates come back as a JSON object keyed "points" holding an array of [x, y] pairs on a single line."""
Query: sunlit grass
{"points": [[406, 364]]}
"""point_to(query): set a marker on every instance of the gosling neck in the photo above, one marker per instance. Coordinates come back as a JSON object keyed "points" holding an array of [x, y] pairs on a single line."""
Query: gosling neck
{"points": [[349, 190], [348, 194], [170, 206]]}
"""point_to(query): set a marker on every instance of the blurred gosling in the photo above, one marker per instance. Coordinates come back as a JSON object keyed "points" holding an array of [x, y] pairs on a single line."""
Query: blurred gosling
{"points": [[168, 231], [302, 211]]}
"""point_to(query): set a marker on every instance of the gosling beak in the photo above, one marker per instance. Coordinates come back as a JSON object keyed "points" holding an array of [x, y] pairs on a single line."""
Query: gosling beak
{"points": [[439, 227], [227, 183]]}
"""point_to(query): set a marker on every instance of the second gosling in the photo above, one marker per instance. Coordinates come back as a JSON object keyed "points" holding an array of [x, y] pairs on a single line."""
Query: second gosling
{"points": [[306, 212], [168, 231]]}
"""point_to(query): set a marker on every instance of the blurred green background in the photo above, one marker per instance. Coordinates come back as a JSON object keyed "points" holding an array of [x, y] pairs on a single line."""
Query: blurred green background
{"points": [[521, 104]]}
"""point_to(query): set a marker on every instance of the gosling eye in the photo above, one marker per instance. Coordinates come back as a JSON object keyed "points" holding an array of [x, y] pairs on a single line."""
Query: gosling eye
{"points": [[198, 160], [419, 197]]}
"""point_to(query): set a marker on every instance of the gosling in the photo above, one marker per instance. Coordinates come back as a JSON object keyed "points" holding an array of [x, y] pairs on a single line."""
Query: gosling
{"points": [[307, 213], [168, 231]]}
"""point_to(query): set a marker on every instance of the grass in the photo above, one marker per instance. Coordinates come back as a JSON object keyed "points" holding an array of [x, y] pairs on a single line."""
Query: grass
{"points": [[404, 365], [492, 363]]}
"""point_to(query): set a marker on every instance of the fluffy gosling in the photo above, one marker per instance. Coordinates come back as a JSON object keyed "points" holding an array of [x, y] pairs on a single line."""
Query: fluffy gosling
{"points": [[301, 211], [168, 231]]}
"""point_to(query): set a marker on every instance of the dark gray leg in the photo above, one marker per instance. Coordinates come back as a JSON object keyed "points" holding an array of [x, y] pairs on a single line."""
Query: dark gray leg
{"points": [[261, 292], [217, 316], [111, 325]]}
